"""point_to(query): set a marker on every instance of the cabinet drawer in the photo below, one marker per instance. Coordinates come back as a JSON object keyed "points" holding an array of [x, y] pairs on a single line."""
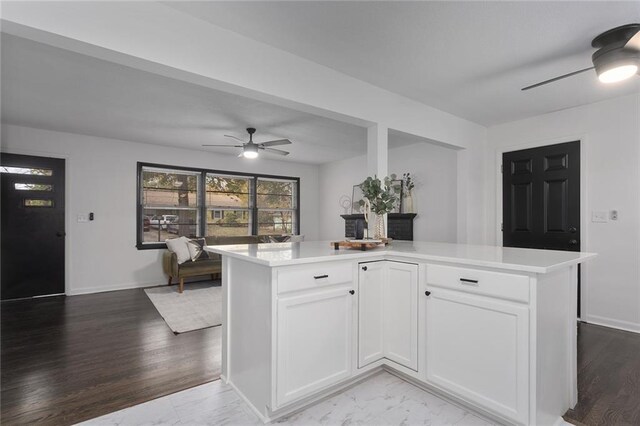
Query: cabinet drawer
{"points": [[495, 284], [314, 275]]}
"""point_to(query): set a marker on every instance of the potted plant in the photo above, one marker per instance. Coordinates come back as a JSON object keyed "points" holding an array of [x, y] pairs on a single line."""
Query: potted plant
{"points": [[409, 184], [382, 198]]}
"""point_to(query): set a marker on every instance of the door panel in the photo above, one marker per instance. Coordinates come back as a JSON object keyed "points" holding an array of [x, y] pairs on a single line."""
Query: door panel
{"points": [[478, 349], [314, 342], [400, 314], [371, 278], [33, 243], [541, 197]]}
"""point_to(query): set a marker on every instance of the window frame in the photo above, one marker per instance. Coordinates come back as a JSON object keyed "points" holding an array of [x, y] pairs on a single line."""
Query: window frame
{"points": [[202, 206]]}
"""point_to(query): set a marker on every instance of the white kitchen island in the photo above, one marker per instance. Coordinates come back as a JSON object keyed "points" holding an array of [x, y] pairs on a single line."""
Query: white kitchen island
{"points": [[491, 328]]}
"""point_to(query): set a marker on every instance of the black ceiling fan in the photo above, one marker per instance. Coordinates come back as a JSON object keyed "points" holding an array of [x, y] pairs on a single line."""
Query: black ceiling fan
{"points": [[250, 149], [617, 57]]}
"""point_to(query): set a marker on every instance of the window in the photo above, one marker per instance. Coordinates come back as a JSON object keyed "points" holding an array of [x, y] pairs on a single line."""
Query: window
{"points": [[176, 201], [170, 204], [277, 206]]}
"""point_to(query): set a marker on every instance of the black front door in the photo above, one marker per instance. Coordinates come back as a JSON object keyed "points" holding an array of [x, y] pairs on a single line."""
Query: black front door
{"points": [[541, 197], [32, 226]]}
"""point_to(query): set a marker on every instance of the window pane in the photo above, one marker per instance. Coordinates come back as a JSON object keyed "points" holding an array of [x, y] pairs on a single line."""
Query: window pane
{"points": [[30, 202], [228, 223], [162, 224], [169, 188], [275, 222], [32, 187], [26, 171], [228, 191], [276, 194]]}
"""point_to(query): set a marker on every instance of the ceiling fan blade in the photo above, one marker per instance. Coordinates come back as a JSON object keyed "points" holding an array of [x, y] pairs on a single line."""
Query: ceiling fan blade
{"points": [[276, 142], [556, 78], [233, 137], [225, 146], [634, 42], [275, 151]]}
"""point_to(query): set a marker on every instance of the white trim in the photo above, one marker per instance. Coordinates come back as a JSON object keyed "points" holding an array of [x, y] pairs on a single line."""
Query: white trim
{"points": [[612, 323], [67, 204], [123, 286], [253, 408], [584, 234]]}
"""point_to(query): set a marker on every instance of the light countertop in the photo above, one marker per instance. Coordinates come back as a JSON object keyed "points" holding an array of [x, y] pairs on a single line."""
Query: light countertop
{"points": [[515, 259]]}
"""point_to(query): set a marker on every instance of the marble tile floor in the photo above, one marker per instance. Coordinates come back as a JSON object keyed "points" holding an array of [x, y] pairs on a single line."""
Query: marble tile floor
{"points": [[382, 399]]}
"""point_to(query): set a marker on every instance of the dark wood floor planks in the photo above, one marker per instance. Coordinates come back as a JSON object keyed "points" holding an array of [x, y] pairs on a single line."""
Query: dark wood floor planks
{"points": [[608, 377], [65, 360]]}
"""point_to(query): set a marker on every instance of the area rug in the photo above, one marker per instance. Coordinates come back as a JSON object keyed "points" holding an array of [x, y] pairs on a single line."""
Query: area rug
{"points": [[199, 306]]}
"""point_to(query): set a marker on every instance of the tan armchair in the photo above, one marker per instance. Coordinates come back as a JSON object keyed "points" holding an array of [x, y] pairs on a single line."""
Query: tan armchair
{"points": [[211, 266]]}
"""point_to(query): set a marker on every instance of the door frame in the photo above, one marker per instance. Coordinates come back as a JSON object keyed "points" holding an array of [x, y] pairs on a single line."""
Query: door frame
{"points": [[67, 206], [584, 230]]}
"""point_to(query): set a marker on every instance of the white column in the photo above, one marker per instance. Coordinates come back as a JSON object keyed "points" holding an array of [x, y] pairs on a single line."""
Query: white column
{"points": [[378, 157], [377, 151]]}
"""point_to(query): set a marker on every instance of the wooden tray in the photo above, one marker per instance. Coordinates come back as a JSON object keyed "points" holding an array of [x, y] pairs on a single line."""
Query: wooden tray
{"points": [[360, 245]]}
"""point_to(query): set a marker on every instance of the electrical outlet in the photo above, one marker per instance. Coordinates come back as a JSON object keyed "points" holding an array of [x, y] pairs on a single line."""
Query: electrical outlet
{"points": [[599, 216], [614, 215]]}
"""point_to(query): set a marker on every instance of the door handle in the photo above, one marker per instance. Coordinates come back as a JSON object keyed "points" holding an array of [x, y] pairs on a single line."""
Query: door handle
{"points": [[573, 242], [427, 293], [364, 268], [318, 277], [468, 281], [352, 292], [573, 229]]}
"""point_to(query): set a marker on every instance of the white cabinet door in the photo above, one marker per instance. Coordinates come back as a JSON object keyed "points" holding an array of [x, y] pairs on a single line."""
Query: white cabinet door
{"points": [[314, 341], [478, 348], [400, 313], [371, 277]]}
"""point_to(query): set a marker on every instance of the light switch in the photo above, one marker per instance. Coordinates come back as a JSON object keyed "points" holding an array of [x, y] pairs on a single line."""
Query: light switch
{"points": [[600, 216]]}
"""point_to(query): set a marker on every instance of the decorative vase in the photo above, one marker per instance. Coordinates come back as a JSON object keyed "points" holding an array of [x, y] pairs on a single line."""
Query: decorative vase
{"points": [[407, 205], [379, 230]]}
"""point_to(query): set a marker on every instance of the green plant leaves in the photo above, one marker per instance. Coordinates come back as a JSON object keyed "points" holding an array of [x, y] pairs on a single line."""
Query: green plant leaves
{"points": [[380, 194]]}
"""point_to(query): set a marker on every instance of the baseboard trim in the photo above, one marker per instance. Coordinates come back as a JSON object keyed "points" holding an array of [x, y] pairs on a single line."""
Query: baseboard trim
{"points": [[130, 286], [257, 412], [612, 323]]}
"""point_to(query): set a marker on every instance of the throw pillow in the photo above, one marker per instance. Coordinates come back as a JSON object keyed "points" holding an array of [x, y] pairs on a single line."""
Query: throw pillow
{"points": [[196, 249], [179, 247]]}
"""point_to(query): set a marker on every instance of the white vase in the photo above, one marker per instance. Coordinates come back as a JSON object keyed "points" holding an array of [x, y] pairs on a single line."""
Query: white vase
{"points": [[407, 204], [379, 232]]}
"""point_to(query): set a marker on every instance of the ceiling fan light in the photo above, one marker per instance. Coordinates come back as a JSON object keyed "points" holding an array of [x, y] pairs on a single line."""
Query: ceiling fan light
{"points": [[619, 73], [250, 151]]}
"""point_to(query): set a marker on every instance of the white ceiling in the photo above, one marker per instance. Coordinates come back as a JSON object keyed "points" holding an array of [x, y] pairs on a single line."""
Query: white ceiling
{"points": [[466, 58], [51, 88]]}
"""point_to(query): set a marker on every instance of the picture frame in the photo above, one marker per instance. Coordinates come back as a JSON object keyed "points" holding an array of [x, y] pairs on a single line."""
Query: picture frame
{"points": [[356, 196], [398, 186]]}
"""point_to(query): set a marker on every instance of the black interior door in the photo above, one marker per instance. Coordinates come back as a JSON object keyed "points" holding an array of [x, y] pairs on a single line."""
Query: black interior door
{"points": [[541, 197], [32, 226]]}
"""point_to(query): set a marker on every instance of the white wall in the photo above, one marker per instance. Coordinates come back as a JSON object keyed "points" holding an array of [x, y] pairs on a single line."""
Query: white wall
{"points": [[101, 178], [435, 196], [610, 131]]}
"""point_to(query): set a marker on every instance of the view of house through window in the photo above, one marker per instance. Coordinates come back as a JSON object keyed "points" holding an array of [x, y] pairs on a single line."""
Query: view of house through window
{"points": [[193, 203]]}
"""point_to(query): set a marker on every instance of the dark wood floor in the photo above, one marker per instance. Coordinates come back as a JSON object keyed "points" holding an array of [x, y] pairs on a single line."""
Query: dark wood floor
{"points": [[65, 360], [608, 377]]}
